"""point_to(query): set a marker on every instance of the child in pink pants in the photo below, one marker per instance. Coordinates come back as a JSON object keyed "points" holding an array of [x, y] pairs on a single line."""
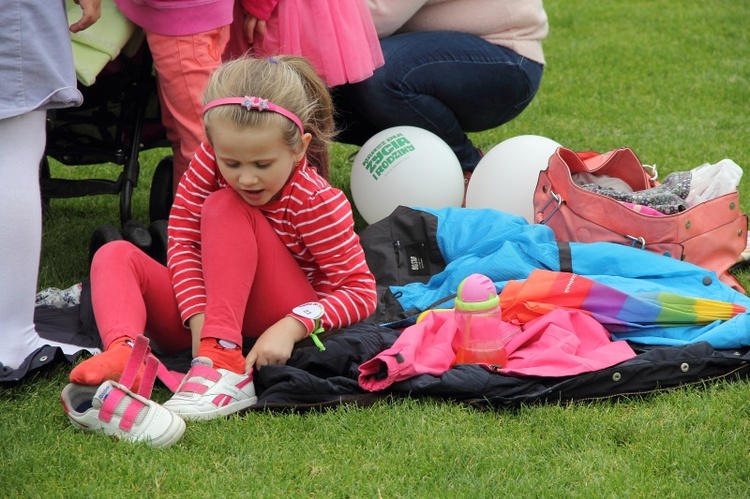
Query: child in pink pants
{"points": [[260, 245]]}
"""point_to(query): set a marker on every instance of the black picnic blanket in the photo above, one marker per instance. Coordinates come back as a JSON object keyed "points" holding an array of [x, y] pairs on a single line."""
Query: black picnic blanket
{"points": [[314, 379]]}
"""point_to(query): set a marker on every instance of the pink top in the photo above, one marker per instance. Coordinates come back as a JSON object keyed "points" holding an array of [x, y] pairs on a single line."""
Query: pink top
{"points": [[178, 17]]}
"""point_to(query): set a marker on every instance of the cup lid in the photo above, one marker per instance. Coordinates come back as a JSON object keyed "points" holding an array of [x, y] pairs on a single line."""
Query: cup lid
{"points": [[477, 292]]}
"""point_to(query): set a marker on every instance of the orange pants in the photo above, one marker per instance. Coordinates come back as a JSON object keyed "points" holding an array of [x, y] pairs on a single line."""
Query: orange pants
{"points": [[183, 65]]}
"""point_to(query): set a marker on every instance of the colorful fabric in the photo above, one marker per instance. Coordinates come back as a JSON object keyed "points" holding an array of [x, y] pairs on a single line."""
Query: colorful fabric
{"points": [[424, 348], [545, 291], [563, 343]]}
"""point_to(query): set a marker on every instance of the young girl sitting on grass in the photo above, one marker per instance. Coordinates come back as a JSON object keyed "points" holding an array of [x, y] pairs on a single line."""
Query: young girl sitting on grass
{"points": [[260, 245]]}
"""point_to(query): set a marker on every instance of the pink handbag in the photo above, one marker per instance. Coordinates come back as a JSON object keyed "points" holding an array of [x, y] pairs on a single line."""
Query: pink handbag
{"points": [[711, 234]]}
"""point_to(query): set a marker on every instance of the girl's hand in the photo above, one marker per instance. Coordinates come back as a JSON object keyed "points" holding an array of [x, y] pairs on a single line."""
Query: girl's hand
{"points": [[254, 27], [274, 346], [92, 10]]}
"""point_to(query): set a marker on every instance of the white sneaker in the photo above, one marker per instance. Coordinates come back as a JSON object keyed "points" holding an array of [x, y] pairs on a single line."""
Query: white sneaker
{"points": [[114, 410], [208, 393]]}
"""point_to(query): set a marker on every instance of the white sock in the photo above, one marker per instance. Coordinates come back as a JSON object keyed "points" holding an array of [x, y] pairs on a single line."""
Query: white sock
{"points": [[22, 142]]}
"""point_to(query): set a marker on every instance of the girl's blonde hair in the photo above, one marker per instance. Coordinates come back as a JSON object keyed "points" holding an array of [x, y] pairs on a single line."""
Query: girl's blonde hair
{"points": [[287, 81]]}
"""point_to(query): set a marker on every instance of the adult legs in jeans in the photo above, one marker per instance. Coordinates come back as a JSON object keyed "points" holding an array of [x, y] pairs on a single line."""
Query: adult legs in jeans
{"points": [[449, 83]]}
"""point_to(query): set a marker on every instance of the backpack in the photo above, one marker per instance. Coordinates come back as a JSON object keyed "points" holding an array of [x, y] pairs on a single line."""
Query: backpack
{"points": [[400, 249]]}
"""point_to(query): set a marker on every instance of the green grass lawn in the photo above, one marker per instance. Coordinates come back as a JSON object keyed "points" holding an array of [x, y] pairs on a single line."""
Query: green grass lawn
{"points": [[671, 80]]}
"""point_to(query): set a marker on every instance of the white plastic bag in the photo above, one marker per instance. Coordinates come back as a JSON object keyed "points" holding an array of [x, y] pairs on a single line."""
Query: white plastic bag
{"points": [[711, 181]]}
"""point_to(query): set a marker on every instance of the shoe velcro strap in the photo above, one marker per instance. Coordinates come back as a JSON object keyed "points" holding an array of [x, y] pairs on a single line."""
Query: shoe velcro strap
{"points": [[199, 371], [140, 350], [107, 410], [169, 378], [149, 376], [131, 413]]}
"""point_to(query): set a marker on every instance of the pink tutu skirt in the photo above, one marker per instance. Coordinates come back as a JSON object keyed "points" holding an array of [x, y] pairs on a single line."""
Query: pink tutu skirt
{"points": [[337, 36]]}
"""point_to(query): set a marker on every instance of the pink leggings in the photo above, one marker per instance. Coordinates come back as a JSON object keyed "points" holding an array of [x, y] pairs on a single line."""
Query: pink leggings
{"points": [[251, 280]]}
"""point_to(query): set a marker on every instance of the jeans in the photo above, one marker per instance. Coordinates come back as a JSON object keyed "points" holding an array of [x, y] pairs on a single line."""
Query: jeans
{"points": [[447, 82]]}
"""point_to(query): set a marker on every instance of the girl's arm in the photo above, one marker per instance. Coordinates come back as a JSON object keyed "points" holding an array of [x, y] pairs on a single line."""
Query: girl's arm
{"points": [[328, 234]]}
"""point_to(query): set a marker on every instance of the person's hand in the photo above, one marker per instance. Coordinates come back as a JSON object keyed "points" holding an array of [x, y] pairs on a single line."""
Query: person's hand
{"points": [[274, 346], [92, 10], [195, 323], [254, 27]]}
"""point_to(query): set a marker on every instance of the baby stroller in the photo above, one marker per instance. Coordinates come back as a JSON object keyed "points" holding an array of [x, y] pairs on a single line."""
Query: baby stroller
{"points": [[118, 119]]}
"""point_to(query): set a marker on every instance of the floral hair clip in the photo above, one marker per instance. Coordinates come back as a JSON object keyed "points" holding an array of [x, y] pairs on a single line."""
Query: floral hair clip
{"points": [[255, 103]]}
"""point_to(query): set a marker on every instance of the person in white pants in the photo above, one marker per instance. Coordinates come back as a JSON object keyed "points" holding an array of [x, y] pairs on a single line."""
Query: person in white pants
{"points": [[36, 62]]}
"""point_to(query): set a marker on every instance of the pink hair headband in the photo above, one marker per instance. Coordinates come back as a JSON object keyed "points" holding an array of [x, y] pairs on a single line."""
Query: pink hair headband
{"points": [[255, 103]]}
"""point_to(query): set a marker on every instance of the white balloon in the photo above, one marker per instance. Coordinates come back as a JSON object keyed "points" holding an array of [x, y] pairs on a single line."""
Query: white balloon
{"points": [[407, 166], [506, 177]]}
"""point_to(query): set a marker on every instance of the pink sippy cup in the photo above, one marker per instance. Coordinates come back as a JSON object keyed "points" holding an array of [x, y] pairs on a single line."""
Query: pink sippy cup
{"points": [[478, 318]]}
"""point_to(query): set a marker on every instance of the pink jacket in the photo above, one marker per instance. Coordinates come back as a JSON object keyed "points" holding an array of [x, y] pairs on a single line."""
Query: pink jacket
{"points": [[178, 17], [558, 343]]}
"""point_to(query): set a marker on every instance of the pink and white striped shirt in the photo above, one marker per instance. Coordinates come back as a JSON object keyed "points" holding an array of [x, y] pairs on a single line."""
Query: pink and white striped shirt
{"points": [[313, 219]]}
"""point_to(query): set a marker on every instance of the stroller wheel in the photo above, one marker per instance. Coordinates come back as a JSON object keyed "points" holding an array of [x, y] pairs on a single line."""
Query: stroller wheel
{"points": [[102, 235], [160, 197], [137, 234], [158, 230]]}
